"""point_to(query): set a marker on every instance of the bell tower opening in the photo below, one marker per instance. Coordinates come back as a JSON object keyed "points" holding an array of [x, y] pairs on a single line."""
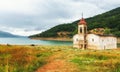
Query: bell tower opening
{"points": [[80, 29]]}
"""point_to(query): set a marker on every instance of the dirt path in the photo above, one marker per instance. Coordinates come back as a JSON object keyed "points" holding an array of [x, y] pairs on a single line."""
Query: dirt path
{"points": [[57, 63]]}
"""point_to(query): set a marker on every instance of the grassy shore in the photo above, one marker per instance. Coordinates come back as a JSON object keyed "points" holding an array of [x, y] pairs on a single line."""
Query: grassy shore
{"points": [[57, 59]]}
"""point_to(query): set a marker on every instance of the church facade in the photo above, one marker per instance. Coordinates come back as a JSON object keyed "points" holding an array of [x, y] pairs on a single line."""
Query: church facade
{"points": [[83, 40]]}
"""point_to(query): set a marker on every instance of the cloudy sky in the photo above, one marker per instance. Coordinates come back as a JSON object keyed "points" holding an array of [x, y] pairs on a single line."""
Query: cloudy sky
{"points": [[26, 17]]}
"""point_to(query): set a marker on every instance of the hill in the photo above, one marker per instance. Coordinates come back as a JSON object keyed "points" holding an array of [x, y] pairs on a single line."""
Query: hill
{"points": [[109, 21], [6, 34]]}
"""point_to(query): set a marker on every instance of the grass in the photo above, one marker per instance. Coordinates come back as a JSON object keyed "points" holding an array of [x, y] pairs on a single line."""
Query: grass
{"points": [[21, 58], [30, 58], [97, 61]]}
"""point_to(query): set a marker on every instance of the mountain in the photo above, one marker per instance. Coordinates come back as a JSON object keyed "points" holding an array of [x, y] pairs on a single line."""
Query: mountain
{"points": [[109, 20], [6, 34]]}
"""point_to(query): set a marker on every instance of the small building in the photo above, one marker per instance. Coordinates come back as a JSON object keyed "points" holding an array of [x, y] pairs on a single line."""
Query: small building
{"points": [[83, 40]]}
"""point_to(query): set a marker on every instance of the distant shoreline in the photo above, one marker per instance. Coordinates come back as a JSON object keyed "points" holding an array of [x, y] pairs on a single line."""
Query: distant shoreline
{"points": [[62, 39], [56, 39]]}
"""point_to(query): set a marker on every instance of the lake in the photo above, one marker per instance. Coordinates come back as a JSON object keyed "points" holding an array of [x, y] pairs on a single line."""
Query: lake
{"points": [[27, 41]]}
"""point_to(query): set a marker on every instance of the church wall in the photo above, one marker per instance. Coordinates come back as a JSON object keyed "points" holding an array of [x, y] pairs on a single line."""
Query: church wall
{"points": [[108, 42], [96, 42], [101, 42], [77, 39], [93, 41]]}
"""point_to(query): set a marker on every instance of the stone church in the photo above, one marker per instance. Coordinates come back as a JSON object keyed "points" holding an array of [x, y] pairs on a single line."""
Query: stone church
{"points": [[83, 40]]}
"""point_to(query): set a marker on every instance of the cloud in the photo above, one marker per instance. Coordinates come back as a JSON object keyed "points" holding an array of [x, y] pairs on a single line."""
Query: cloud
{"points": [[20, 31], [17, 6], [26, 17]]}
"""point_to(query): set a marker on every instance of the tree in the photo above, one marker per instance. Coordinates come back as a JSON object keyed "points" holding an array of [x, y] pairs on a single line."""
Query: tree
{"points": [[107, 31]]}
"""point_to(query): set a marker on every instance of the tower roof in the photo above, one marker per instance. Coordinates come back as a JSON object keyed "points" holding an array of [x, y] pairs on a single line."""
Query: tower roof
{"points": [[82, 21]]}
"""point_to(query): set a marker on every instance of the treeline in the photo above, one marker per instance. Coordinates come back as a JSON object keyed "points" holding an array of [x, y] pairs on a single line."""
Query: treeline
{"points": [[110, 20]]}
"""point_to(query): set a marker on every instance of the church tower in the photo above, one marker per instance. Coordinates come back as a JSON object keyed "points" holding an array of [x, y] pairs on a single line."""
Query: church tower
{"points": [[82, 31], [79, 40]]}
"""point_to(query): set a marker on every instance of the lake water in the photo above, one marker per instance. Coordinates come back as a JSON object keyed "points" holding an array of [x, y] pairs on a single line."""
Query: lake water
{"points": [[27, 41]]}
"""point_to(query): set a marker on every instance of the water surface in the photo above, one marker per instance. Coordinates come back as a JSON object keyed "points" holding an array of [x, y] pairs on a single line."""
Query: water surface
{"points": [[27, 41]]}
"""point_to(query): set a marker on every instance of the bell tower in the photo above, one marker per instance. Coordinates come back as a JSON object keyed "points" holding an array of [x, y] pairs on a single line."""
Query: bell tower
{"points": [[82, 31]]}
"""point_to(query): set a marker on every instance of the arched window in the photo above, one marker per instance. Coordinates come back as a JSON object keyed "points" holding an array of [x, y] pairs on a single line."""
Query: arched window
{"points": [[80, 29]]}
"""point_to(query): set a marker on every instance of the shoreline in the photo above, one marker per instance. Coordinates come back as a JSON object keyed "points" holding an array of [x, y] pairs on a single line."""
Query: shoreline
{"points": [[53, 39]]}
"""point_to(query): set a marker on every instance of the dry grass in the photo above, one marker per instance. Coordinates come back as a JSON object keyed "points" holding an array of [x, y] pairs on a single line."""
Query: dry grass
{"points": [[21, 58], [57, 58]]}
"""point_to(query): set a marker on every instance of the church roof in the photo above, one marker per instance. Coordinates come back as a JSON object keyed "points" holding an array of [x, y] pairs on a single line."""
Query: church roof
{"points": [[82, 21]]}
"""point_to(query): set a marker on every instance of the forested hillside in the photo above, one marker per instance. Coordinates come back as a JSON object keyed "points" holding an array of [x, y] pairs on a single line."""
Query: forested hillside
{"points": [[109, 20]]}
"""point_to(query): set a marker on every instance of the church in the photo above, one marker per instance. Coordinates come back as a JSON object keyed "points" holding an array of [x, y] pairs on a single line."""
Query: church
{"points": [[84, 40]]}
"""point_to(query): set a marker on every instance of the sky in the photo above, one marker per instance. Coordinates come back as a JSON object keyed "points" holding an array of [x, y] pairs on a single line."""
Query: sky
{"points": [[28, 17]]}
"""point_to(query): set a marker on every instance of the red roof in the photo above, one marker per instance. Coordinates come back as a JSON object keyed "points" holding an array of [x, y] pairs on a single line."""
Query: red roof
{"points": [[82, 21]]}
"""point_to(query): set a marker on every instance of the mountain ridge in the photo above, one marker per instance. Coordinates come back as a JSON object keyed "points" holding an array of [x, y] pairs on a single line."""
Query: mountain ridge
{"points": [[7, 34]]}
